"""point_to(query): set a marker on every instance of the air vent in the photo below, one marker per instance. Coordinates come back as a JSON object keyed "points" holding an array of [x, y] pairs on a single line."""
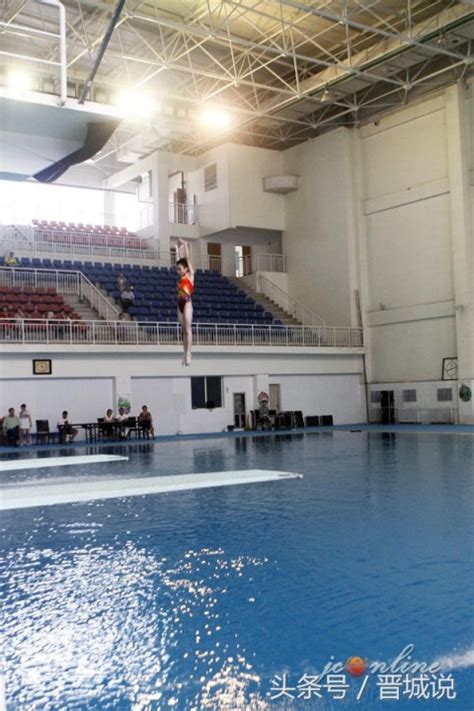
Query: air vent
{"points": [[210, 177]]}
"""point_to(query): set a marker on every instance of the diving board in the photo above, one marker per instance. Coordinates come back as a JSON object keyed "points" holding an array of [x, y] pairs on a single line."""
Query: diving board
{"points": [[21, 497], [18, 464]]}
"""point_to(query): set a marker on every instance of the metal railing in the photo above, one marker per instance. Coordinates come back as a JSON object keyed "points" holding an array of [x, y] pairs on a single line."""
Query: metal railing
{"points": [[426, 415], [183, 213], [64, 282], [42, 247], [419, 415], [292, 307], [261, 262], [137, 333]]}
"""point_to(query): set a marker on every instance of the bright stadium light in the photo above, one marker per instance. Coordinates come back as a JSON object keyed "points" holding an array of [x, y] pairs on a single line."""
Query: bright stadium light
{"points": [[18, 81], [135, 105], [213, 117]]}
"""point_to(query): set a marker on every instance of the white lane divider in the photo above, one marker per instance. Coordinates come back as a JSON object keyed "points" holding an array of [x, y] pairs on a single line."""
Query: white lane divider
{"points": [[68, 492]]}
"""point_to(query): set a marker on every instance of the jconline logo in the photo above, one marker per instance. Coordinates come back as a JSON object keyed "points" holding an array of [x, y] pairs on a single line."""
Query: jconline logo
{"points": [[399, 679]]}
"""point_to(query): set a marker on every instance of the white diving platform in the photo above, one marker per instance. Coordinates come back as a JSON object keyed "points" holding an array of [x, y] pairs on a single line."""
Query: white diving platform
{"points": [[47, 494], [46, 462]]}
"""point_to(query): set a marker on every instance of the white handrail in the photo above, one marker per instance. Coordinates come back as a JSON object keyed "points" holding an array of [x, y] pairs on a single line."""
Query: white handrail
{"points": [[156, 334], [294, 308], [183, 213], [262, 262], [63, 281], [97, 300]]}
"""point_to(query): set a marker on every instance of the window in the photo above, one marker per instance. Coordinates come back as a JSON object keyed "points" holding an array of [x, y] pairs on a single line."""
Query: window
{"points": [[445, 394], [206, 392], [375, 396], [210, 177], [409, 396]]}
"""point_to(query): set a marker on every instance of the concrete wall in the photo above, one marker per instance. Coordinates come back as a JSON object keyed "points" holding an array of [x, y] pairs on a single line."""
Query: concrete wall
{"points": [[416, 233], [388, 210], [250, 206]]}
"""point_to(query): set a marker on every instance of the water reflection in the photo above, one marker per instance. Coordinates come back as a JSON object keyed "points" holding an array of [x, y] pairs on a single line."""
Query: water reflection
{"points": [[122, 625]]}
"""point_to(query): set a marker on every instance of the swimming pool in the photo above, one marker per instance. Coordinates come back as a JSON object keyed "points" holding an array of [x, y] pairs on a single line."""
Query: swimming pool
{"points": [[222, 598]]}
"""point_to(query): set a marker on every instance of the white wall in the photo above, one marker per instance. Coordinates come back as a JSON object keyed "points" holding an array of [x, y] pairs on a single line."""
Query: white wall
{"points": [[239, 199], [214, 205], [315, 240], [426, 406], [85, 399], [412, 350], [158, 380], [249, 204], [407, 231], [339, 395]]}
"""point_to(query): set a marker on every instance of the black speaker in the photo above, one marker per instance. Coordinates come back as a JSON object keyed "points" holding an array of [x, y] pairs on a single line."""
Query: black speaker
{"points": [[387, 407], [284, 421], [312, 421], [299, 421], [326, 420]]}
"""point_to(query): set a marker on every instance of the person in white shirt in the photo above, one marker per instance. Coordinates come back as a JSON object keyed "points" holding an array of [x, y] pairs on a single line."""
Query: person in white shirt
{"points": [[25, 425], [66, 429], [108, 423], [122, 418]]}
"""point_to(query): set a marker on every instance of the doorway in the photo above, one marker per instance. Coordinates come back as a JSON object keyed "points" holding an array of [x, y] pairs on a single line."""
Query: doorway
{"points": [[214, 256], [239, 410], [275, 397], [243, 260]]}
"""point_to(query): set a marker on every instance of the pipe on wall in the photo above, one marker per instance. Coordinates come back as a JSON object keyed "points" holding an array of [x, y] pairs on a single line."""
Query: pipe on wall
{"points": [[62, 46]]}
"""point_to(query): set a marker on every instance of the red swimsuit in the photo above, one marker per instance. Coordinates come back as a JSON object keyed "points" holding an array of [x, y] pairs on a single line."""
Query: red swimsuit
{"points": [[185, 291]]}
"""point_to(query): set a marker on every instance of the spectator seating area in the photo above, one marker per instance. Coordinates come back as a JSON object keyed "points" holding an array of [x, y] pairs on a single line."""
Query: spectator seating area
{"points": [[215, 300], [93, 235], [34, 303]]}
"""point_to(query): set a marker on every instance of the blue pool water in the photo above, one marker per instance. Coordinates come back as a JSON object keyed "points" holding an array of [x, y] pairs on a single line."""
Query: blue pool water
{"points": [[200, 599]]}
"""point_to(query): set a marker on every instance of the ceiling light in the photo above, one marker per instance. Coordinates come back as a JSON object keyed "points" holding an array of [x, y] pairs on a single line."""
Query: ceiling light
{"points": [[18, 81], [214, 118], [326, 96], [135, 105]]}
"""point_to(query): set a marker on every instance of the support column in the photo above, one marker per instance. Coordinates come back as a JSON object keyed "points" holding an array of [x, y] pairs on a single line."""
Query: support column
{"points": [[160, 200], [457, 132]]}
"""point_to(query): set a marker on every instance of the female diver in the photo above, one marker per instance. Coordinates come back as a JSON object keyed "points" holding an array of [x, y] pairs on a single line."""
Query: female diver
{"points": [[185, 291]]}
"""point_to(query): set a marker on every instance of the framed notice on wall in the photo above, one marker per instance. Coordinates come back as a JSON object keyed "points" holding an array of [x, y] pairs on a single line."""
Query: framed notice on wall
{"points": [[450, 368], [42, 366]]}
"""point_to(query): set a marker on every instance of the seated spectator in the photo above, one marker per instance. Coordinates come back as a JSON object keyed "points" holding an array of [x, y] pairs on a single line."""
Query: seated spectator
{"points": [[108, 423], [20, 314], [145, 420], [11, 260], [66, 429], [25, 425], [50, 315], [121, 282], [127, 298], [264, 415], [11, 428], [121, 419]]}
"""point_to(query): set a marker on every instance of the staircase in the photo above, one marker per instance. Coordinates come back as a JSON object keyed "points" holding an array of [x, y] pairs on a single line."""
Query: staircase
{"points": [[83, 308], [267, 303]]}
